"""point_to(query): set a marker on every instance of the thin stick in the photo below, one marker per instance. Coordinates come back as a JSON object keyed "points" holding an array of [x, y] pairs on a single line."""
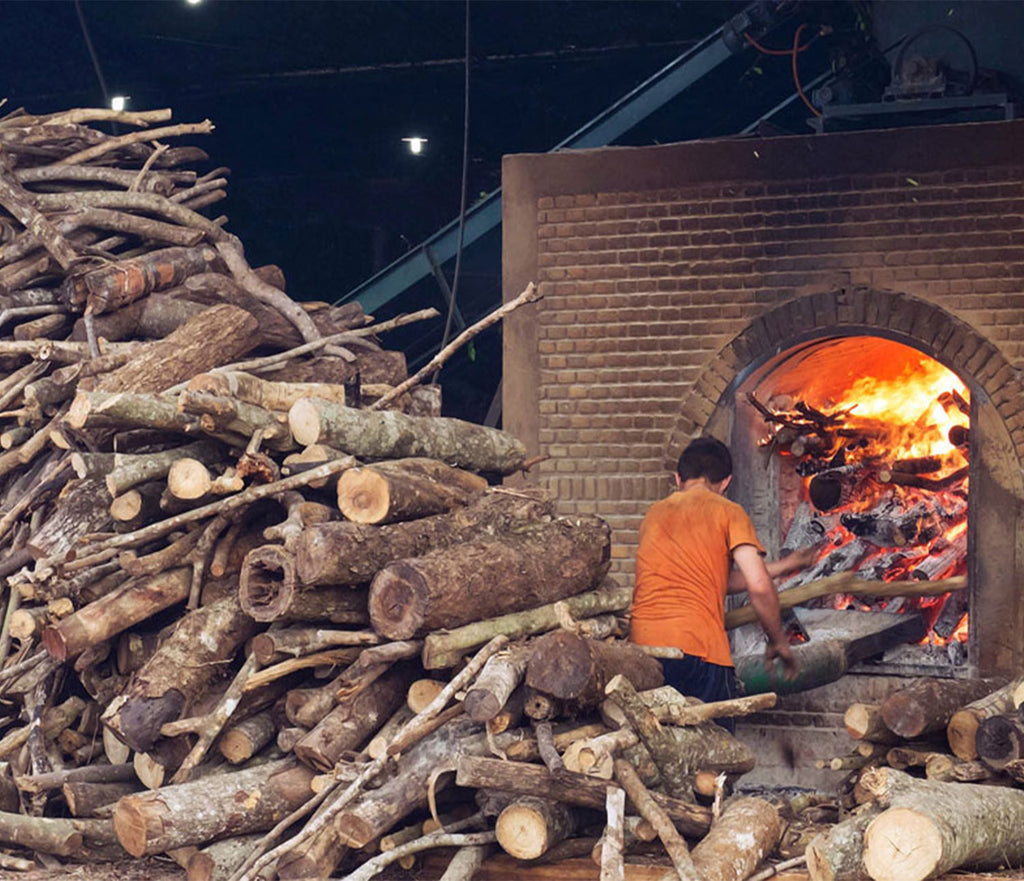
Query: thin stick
{"points": [[168, 131], [529, 295], [345, 336], [216, 720], [373, 867], [784, 866], [107, 549]]}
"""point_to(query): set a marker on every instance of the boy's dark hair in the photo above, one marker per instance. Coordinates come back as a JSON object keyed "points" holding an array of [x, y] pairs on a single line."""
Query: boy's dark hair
{"points": [[705, 457]]}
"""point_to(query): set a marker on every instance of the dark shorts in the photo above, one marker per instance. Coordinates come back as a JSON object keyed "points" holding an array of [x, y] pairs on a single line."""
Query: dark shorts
{"points": [[697, 678]]}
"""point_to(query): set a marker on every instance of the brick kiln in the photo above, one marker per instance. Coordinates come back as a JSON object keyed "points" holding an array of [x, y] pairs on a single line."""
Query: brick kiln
{"points": [[683, 282]]}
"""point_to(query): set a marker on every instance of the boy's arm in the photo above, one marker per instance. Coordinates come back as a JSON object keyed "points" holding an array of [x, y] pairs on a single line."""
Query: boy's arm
{"points": [[783, 566], [765, 602]]}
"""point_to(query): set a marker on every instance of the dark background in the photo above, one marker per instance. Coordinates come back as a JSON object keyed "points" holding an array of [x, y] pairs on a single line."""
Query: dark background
{"points": [[311, 100]]}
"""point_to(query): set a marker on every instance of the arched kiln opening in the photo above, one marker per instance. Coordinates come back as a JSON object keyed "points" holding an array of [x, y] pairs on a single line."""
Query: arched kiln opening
{"points": [[861, 446]]}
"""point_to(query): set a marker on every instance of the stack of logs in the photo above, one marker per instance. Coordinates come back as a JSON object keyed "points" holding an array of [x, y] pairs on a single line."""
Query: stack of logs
{"points": [[260, 596], [934, 784]]}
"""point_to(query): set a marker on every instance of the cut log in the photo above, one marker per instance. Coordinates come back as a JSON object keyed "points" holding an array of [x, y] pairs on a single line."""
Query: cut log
{"points": [[847, 582], [218, 861], [838, 854], [298, 641], [574, 668], [241, 741], [391, 435], [445, 648], [268, 591], [216, 336], [76, 514], [347, 553], [119, 283], [352, 722], [927, 705], [381, 809], [87, 799], [215, 806], [134, 602], [500, 677], [962, 730], [180, 670], [864, 722], [545, 563], [405, 489], [1000, 740], [574, 789], [739, 840], [315, 857], [931, 828], [530, 826]]}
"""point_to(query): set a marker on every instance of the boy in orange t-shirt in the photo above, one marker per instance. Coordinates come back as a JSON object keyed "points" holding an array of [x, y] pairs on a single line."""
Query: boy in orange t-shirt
{"points": [[684, 568]]}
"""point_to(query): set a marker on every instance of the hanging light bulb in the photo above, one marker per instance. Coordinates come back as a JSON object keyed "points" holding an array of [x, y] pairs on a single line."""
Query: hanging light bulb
{"points": [[415, 144]]}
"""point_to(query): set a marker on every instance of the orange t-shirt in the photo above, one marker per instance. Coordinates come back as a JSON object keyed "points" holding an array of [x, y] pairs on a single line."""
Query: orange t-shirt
{"points": [[682, 572]]}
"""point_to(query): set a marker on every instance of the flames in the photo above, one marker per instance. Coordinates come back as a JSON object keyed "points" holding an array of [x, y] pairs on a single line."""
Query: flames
{"points": [[879, 435]]}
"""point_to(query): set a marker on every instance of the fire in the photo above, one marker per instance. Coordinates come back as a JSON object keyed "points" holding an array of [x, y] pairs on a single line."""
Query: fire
{"points": [[879, 436]]}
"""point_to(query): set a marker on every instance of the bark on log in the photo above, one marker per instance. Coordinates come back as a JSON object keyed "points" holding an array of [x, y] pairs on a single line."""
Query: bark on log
{"points": [[574, 668], [404, 489], [674, 770], [211, 807], [847, 582], [391, 435], [962, 730], [739, 840], [926, 705], [132, 603], [545, 563], [352, 722], [86, 799], [122, 282], [218, 861], [500, 677], [574, 789], [180, 670], [838, 854], [371, 366], [444, 648], [380, 809], [316, 857], [217, 336], [76, 514], [930, 828], [530, 826], [298, 641], [348, 553]]}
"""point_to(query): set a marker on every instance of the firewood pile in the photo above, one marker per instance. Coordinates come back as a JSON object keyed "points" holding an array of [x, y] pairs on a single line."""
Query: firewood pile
{"points": [[934, 785], [267, 611]]}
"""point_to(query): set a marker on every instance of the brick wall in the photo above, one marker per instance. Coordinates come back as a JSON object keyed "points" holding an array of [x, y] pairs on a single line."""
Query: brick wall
{"points": [[667, 270]]}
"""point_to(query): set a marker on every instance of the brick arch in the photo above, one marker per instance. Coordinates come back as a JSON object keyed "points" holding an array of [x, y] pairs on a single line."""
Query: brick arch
{"points": [[904, 318]]}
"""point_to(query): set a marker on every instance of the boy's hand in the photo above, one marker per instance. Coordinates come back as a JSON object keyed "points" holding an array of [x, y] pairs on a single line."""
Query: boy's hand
{"points": [[782, 651]]}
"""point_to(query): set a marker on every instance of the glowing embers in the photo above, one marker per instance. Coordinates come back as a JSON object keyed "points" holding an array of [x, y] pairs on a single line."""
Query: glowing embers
{"points": [[878, 436]]}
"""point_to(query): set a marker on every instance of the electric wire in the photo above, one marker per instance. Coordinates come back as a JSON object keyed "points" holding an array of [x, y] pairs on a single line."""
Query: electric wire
{"points": [[462, 199], [92, 52]]}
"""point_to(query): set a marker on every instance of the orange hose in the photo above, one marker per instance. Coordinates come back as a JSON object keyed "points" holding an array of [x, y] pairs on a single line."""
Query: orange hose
{"points": [[796, 74]]}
